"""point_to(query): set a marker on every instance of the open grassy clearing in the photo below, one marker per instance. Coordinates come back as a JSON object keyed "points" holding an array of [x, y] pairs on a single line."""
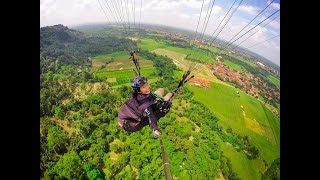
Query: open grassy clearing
{"points": [[245, 168], [153, 34], [149, 44], [201, 71], [195, 53], [117, 61], [224, 102], [119, 77], [274, 80], [234, 66]]}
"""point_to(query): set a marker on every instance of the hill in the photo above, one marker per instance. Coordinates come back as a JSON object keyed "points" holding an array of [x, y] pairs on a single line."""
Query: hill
{"points": [[206, 134], [75, 47]]}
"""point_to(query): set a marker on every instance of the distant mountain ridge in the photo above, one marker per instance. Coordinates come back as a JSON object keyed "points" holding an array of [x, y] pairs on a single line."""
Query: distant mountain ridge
{"points": [[74, 47]]}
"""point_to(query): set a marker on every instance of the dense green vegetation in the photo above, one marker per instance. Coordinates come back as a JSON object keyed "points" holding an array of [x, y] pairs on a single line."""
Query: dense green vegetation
{"points": [[74, 47], [80, 137], [273, 172]]}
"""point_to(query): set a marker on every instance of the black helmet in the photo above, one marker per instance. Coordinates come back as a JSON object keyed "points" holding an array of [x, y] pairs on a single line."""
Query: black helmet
{"points": [[132, 53], [138, 81]]}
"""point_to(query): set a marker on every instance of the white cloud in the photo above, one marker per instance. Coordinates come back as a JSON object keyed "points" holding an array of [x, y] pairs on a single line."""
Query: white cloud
{"points": [[85, 4], [166, 5], [70, 12], [273, 32], [259, 36], [274, 5], [180, 4], [275, 24], [216, 10], [269, 49], [248, 9], [186, 16], [47, 6], [178, 13], [147, 6], [196, 4], [170, 4]]}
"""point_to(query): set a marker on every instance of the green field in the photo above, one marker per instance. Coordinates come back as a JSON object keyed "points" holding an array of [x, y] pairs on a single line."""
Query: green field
{"points": [[245, 168], [202, 55], [121, 65], [195, 53], [244, 60], [119, 71], [122, 77], [218, 51], [153, 34], [258, 122], [274, 80], [171, 54], [150, 44], [118, 61], [215, 50], [234, 66], [119, 55], [179, 59]]}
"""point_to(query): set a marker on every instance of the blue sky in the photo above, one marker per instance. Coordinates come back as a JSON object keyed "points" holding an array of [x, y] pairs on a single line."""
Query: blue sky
{"points": [[178, 13]]}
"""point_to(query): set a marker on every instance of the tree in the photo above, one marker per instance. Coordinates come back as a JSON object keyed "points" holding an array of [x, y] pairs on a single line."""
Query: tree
{"points": [[69, 166], [45, 105], [253, 152], [95, 154], [56, 139], [229, 130], [92, 173], [59, 113], [116, 148], [86, 76], [95, 109], [273, 172]]}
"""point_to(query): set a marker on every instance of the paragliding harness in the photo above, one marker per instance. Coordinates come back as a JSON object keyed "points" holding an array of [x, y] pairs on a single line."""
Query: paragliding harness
{"points": [[132, 111], [163, 106]]}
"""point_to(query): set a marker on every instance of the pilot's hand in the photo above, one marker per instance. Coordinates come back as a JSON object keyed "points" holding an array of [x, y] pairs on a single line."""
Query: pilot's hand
{"points": [[157, 132]]}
